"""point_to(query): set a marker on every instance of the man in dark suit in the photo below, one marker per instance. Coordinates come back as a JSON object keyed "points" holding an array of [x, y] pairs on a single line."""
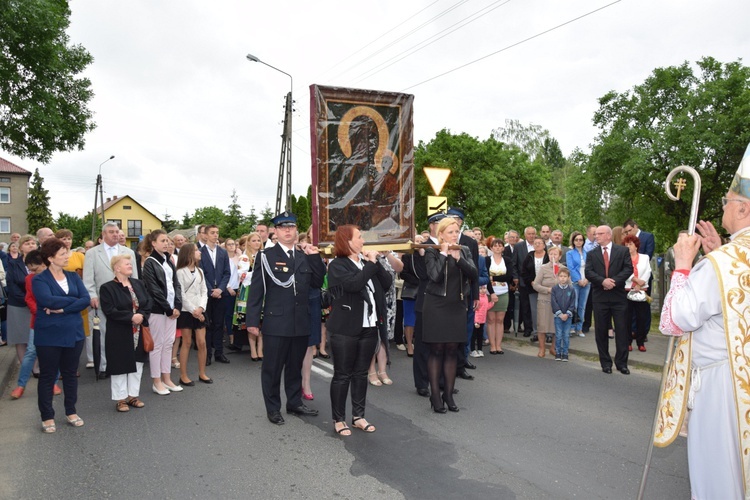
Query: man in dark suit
{"points": [[282, 278], [607, 268], [508, 251], [473, 301], [215, 265], [520, 252], [629, 227]]}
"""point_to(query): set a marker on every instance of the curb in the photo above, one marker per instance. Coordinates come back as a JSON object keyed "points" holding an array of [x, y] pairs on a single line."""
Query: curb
{"points": [[590, 356]]}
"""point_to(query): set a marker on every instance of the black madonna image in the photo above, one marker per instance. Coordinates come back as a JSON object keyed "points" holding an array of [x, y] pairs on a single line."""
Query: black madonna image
{"points": [[362, 163]]}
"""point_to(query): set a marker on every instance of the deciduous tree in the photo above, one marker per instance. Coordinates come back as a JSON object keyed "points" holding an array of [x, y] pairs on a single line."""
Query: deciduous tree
{"points": [[43, 98]]}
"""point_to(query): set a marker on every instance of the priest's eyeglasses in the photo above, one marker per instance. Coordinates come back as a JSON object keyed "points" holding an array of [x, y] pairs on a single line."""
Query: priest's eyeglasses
{"points": [[725, 200]]}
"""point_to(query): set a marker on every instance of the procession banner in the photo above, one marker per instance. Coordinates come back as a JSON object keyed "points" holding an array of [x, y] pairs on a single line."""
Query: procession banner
{"points": [[362, 164]]}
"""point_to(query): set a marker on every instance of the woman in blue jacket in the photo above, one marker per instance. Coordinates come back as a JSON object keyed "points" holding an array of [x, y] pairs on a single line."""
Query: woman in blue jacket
{"points": [[58, 331], [576, 261]]}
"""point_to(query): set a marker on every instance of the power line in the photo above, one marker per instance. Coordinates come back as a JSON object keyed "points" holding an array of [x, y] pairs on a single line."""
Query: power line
{"points": [[402, 37], [379, 37], [432, 39], [511, 46]]}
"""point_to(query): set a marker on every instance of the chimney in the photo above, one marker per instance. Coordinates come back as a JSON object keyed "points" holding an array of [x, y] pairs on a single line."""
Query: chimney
{"points": [[109, 199], [114, 197]]}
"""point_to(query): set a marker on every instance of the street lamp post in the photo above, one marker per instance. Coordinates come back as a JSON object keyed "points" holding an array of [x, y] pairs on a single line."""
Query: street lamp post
{"points": [[98, 192], [285, 162]]}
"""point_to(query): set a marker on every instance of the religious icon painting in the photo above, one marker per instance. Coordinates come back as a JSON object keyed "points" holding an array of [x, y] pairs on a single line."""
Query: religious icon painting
{"points": [[362, 163]]}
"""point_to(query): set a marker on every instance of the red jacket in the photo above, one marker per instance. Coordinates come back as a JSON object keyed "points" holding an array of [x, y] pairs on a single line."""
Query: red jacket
{"points": [[30, 300]]}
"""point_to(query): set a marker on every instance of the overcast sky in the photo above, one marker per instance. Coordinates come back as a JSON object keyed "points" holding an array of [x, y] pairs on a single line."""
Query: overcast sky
{"points": [[188, 118]]}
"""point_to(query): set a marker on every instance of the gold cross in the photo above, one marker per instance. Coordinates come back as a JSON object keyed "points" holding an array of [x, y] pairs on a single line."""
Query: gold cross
{"points": [[680, 184]]}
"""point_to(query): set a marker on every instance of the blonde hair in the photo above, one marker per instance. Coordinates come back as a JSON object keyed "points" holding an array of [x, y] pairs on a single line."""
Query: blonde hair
{"points": [[555, 249], [117, 258], [444, 224]]}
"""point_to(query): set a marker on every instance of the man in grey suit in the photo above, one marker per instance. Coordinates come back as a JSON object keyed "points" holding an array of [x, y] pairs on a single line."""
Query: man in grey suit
{"points": [[97, 271]]}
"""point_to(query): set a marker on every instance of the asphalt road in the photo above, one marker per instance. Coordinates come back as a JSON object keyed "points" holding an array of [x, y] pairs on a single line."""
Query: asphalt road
{"points": [[528, 428]]}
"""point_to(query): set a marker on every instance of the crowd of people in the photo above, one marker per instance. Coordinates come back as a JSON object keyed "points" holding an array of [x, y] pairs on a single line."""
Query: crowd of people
{"points": [[440, 303], [263, 291]]}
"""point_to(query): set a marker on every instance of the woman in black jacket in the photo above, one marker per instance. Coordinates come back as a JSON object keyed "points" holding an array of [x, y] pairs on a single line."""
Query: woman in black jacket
{"points": [[357, 282], [126, 305], [445, 308], [166, 296]]}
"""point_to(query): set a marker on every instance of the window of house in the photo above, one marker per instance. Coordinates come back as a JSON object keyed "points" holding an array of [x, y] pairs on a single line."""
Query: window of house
{"points": [[116, 221], [4, 225], [134, 228], [127, 207], [4, 195], [5, 179]]}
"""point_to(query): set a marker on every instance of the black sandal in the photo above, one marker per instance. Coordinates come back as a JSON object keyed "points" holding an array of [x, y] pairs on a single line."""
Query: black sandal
{"points": [[367, 428], [344, 428]]}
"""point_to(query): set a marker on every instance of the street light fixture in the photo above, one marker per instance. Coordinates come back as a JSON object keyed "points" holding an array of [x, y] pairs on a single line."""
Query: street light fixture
{"points": [[98, 192], [285, 163]]}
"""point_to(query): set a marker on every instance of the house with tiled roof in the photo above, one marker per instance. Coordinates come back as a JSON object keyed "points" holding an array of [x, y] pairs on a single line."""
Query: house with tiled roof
{"points": [[132, 217], [14, 199]]}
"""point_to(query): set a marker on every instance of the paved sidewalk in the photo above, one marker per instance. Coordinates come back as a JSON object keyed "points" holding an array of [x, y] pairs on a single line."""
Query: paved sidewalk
{"points": [[585, 347]]}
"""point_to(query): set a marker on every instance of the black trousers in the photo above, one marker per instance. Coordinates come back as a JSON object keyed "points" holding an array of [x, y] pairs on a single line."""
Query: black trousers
{"points": [[398, 332], [421, 353], [282, 354], [51, 359], [508, 320], [215, 327], [525, 315], [604, 314], [351, 360], [639, 312]]}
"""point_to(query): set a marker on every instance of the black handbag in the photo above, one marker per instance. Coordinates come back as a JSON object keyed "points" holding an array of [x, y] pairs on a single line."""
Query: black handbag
{"points": [[409, 291]]}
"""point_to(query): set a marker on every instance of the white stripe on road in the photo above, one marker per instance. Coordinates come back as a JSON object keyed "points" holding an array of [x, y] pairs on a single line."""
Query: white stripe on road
{"points": [[325, 369]]}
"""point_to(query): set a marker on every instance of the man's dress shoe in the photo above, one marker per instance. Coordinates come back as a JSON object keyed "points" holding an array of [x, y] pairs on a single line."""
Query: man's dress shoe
{"points": [[275, 418], [465, 376], [470, 365], [607, 370], [303, 410], [624, 370], [222, 359], [423, 392]]}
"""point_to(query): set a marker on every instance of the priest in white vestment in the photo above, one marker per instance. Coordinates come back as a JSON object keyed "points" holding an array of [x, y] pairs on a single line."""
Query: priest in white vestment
{"points": [[712, 301]]}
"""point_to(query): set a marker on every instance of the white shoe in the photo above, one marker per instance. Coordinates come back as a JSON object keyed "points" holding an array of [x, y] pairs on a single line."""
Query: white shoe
{"points": [[581, 334], [474, 354], [401, 347], [165, 392], [480, 354], [173, 388], [90, 364]]}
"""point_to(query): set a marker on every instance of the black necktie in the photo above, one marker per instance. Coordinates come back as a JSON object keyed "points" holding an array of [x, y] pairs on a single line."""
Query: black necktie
{"points": [[291, 256]]}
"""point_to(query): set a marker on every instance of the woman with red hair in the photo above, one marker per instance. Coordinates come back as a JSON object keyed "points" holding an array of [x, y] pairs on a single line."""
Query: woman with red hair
{"points": [[357, 283]]}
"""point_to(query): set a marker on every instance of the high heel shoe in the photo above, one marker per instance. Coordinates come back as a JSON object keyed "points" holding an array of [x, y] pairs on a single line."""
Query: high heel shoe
{"points": [[452, 406], [436, 409]]}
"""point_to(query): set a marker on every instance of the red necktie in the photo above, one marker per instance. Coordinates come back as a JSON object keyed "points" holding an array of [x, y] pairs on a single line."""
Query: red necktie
{"points": [[606, 262], [556, 269]]}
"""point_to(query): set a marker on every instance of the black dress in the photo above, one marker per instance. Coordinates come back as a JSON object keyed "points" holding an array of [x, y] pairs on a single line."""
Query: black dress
{"points": [[117, 306], [444, 318]]}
